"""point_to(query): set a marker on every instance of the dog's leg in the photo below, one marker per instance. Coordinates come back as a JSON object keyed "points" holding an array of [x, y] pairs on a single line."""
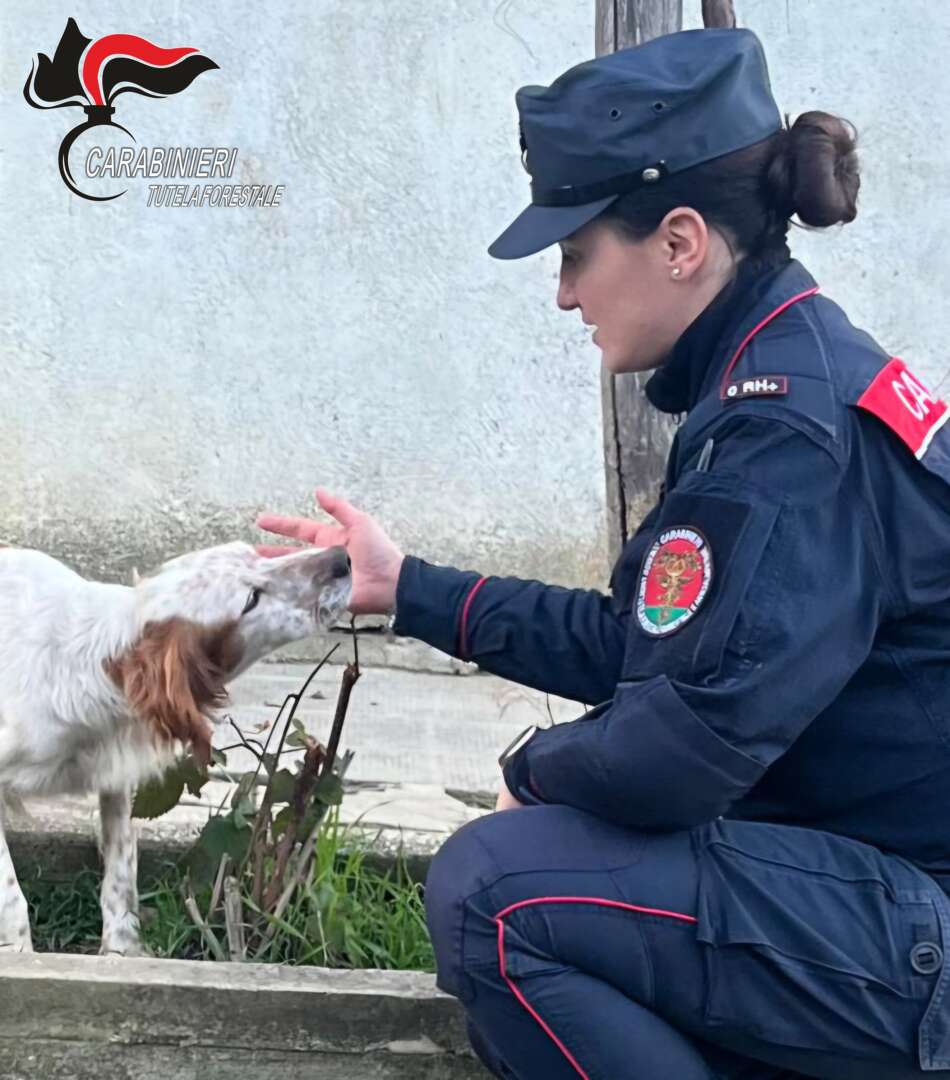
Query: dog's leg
{"points": [[14, 915], [119, 896]]}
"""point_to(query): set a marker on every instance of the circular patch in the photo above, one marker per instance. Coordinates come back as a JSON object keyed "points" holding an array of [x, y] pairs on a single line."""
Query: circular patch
{"points": [[674, 580]]}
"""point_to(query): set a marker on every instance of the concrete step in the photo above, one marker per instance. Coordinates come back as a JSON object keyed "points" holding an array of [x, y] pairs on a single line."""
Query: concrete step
{"points": [[85, 1017]]}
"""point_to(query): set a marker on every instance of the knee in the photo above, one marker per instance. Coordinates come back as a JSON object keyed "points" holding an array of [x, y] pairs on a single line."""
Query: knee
{"points": [[459, 911], [490, 863], [458, 870]]}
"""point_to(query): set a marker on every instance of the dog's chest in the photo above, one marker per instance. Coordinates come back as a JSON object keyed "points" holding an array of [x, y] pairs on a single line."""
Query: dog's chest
{"points": [[80, 759]]}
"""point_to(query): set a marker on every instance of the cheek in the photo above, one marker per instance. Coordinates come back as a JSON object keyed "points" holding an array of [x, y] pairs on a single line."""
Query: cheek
{"points": [[276, 628], [633, 340]]}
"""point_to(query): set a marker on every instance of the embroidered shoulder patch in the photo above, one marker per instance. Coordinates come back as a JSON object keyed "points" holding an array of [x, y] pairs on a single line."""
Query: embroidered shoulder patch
{"points": [[909, 409], [674, 580]]}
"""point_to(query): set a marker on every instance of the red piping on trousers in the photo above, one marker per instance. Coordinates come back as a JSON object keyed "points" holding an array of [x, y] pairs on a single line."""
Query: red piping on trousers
{"points": [[522, 1000], [463, 628], [751, 334]]}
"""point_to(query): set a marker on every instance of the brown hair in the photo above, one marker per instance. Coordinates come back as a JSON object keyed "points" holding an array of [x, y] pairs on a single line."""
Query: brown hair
{"points": [[173, 677], [809, 169]]}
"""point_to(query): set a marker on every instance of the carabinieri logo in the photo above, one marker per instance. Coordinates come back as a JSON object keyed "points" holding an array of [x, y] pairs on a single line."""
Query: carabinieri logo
{"points": [[92, 74], [674, 580]]}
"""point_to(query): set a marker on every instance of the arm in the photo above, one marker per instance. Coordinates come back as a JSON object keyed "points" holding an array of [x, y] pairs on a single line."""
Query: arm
{"points": [[794, 601], [563, 641]]}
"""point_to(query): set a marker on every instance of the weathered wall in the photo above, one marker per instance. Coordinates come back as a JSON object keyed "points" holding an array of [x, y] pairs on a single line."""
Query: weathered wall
{"points": [[165, 373]]}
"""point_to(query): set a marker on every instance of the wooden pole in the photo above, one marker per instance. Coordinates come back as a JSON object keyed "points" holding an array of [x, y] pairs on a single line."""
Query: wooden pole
{"points": [[637, 437], [719, 13]]}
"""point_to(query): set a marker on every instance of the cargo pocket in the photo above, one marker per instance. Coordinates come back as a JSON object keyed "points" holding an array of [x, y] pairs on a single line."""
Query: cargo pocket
{"points": [[809, 938]]}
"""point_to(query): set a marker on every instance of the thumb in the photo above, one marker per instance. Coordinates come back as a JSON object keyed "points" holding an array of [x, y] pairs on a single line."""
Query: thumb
{"points": [[344, 512]]}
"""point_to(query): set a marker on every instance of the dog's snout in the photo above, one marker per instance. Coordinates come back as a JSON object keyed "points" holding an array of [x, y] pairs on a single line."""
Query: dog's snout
{"points": [[340, 567]]}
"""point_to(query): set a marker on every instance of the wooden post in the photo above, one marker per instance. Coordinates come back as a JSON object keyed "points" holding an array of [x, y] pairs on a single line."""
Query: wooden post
{"points": [[637, 437], [719, 13]]}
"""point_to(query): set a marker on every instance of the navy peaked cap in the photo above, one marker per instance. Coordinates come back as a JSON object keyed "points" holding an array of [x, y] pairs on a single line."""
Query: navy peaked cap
{"points": [[629, 118]]}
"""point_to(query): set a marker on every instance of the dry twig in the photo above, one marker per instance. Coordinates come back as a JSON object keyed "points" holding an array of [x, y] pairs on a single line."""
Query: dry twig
{"points": [[234, 919], [210, 940]]}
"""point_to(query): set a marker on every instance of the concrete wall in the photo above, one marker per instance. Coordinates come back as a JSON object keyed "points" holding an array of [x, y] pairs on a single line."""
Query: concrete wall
{"points": [[165, 373]]}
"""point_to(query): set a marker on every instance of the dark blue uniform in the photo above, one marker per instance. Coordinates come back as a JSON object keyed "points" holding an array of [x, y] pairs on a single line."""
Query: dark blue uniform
{"points": [[740, 854]]}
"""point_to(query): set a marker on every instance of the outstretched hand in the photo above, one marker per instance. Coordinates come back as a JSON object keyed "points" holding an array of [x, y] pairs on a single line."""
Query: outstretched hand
{"points": [[375, 559]]}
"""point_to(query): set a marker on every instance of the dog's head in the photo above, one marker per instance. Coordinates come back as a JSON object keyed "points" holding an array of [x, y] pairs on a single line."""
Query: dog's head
{"points": [[209, 615]]}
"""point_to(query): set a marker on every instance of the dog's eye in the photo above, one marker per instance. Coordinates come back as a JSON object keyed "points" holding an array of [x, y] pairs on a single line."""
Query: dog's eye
{"points": [[252, 598]]}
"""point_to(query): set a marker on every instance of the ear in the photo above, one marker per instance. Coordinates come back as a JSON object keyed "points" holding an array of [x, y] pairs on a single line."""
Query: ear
{"points": [[173, 677], [685, 238]]}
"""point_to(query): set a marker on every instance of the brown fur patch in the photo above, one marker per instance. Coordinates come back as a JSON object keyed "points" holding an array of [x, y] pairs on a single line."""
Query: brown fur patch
{"points": [[173, 677]]}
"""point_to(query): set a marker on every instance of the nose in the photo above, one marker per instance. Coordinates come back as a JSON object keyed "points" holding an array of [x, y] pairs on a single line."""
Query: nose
{"points": [[340, 566], [566, 299]]}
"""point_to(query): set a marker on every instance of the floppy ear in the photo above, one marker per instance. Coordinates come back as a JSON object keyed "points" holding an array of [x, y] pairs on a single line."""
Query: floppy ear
{"points": [[173, 677]]}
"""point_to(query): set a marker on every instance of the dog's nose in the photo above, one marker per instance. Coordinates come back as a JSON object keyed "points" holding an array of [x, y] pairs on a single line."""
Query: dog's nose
{"points": [[340, 567]]}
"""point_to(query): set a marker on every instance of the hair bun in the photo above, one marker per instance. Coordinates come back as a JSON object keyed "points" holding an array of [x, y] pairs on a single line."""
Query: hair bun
{"points": [[814, 173]]}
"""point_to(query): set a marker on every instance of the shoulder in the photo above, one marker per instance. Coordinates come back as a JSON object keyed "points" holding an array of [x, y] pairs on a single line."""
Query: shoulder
{"points": [[802, 372]]}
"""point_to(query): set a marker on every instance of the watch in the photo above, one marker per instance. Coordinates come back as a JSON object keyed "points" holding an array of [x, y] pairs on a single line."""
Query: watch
{"points": [[520, 741]]}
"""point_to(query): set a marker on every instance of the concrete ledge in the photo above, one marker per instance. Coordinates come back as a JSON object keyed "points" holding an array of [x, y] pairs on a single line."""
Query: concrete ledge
{"points": [[84, 1017]]}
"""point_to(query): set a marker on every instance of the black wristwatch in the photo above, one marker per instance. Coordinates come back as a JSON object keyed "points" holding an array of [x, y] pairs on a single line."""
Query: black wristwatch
{"points": [[522, 740]]}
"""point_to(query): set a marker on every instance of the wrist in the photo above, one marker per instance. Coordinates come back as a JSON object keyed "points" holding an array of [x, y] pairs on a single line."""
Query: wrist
{"points": [[392, 583], [516, 768]]}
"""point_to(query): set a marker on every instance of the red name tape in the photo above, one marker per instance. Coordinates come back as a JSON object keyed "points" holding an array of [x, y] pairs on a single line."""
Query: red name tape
{"points": [[909, 409]]}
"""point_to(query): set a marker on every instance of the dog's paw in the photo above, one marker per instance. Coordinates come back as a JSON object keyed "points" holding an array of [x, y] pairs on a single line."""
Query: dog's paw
{"points": [[17, 946], [123, 948]]}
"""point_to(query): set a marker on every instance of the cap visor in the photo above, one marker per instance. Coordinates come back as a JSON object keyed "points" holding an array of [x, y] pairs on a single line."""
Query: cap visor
{"points": [[539, 227]]}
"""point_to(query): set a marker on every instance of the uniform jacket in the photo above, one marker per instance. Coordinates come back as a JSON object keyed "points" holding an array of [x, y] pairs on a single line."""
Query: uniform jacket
{"points": [[776, 642]]}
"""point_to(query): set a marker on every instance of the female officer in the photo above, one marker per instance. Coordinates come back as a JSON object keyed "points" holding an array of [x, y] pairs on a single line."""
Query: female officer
{"points": [[735, 864]]}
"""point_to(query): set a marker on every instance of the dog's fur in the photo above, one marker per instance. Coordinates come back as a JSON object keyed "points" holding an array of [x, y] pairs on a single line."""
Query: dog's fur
{"points": [[102, 685]]}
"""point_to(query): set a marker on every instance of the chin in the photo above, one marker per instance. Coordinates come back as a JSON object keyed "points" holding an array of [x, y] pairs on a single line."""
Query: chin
{"points": [[619, 364], [626, 363]]}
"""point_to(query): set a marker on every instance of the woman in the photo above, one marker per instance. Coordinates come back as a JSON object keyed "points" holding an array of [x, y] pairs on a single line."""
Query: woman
{"points": [[734, 865]]}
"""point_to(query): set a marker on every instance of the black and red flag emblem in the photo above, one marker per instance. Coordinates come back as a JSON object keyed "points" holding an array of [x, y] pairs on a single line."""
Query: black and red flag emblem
{"points": [[91, 74]]}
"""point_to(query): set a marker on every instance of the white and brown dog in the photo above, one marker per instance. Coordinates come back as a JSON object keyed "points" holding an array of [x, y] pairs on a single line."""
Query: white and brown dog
{"points": [[101, 685]]}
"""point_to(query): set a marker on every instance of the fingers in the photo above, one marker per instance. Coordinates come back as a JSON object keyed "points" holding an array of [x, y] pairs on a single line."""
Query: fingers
{"points": [[345, 513], [298, 528], [311, 532], [273, 551]]}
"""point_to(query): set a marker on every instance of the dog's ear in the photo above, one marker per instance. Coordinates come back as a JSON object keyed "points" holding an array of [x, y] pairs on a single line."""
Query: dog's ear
{"points": [[173, 677]]}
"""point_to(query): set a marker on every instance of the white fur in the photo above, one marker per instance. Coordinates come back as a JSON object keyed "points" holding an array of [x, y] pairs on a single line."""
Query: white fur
{"points": [[66, 727]]}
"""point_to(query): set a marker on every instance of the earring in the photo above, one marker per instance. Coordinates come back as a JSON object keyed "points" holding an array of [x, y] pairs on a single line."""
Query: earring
{"points": [[676, 272]]}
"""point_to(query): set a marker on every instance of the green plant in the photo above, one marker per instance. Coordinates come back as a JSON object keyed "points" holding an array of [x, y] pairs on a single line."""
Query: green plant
{"points": [[272, 879], [65, 917], [257, 854], [345, 914]]}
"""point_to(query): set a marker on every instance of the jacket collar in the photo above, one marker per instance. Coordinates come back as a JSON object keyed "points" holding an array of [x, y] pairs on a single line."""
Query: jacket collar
{"points": [[700, 356]]}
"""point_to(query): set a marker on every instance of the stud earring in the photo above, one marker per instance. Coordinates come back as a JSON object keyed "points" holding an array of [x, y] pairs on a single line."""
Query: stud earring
{"points": [[676, 272]]}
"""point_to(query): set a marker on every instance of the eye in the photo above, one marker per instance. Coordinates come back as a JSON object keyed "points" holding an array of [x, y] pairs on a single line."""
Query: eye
{"points": [[252, 598]]}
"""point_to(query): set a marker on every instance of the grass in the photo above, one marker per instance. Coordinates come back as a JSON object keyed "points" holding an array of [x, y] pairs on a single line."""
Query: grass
{"points": [[348, 915]]}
